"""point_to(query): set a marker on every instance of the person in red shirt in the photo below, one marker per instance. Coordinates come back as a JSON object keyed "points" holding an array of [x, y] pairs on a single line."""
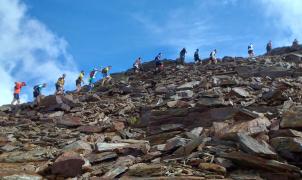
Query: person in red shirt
{"points": [[18, 87]]}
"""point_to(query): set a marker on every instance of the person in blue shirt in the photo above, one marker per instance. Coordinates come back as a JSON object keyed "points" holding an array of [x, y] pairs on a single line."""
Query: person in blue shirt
{"points": [[158, 64], [38, 92], [196, 57]]}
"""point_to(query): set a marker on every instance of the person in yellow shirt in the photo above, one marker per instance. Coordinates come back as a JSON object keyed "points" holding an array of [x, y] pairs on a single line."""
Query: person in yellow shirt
{"points": [[79, 81], [60, 85], [106, 75]]}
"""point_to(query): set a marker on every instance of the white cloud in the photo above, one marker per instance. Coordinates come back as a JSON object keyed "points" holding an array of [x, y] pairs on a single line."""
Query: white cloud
{"points": [[30, 52], [182, 28], [286, 16]]}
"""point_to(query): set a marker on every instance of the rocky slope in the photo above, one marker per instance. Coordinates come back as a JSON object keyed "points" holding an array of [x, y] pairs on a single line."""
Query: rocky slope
{"points": [[238, 119]]}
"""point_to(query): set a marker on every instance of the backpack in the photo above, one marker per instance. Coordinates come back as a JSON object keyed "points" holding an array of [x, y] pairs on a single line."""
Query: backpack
{"points": [[105, 70], [92, 74]]}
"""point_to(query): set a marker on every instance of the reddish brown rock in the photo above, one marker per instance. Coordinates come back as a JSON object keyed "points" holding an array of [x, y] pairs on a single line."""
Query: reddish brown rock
{"points": [[213, 167], [68, 164], [253, 161], [142, 169], [118, 126], [69, 121], [90, 129], [256, 126], [285, 133]]}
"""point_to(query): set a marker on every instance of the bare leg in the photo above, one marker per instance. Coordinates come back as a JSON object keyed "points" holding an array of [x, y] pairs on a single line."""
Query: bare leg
{"points": [[103, 81], [38, 99], [78, 88], [109, 79], [13, 102]]}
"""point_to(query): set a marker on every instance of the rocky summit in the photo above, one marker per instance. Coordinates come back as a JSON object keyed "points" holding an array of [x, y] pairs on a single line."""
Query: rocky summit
{"points": [[238, 119]]}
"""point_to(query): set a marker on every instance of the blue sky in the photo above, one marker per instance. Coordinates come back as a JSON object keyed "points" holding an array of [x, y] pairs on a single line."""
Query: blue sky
{"points": [[41, 39], [116, 32]]}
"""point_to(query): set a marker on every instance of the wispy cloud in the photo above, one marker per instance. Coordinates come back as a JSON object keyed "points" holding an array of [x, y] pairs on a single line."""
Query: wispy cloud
{"points": [[286, 18], [29, 52], [182, 28]]}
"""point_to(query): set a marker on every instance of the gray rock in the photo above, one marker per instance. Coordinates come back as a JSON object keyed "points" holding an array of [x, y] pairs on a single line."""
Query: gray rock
{"points": [[240, 92], [38, 154], [292, 118], [290, 144], [22, 177], [114, 172], [252, 146], [99, 157], [187, 94], [78, 146], [101, 147], [188, 85], [174, 143]]}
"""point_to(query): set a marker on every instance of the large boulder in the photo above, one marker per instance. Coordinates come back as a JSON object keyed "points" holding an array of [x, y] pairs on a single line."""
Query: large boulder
{"points": [[53, 103], [58, 102], [186, 118]]}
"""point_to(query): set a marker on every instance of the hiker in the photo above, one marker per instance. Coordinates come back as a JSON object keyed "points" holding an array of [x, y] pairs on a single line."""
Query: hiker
{"points": [[158, 64], [38, 93], [79, 81], [182, 56], [137, 66], [295, 44], [60, 85], [106, 75], [18, 87], [92, 77], [196, 57], [269, 47], [251, 50], [213, 58]]}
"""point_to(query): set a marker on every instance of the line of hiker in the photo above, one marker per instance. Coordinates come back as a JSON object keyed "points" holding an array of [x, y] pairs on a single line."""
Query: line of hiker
{"points": [[59, 85], [137, 67]]}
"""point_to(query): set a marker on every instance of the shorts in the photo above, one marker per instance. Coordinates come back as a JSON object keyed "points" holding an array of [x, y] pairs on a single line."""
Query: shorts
{"points": [[36, 94], [158, 64], [78, 82], [16, 96], [59, 88], [136, 66]]}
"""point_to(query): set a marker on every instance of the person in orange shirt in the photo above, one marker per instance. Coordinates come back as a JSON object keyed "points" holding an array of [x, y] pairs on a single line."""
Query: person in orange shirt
{"points": [[18, 87]]}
